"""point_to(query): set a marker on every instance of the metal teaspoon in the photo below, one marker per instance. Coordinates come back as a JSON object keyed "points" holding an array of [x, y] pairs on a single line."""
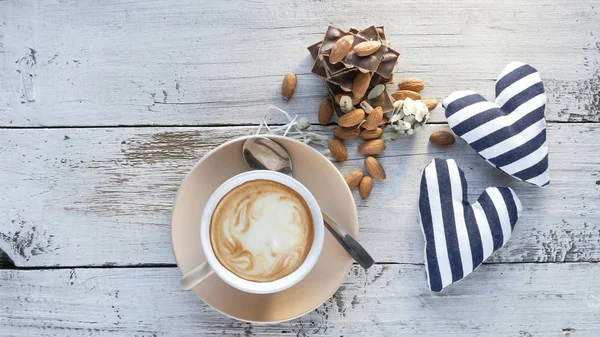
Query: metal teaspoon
{"points": [[262, 153]]}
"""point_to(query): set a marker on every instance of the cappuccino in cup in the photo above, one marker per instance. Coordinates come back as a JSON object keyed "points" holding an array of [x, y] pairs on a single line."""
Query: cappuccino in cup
{"points": [[261, 230]]}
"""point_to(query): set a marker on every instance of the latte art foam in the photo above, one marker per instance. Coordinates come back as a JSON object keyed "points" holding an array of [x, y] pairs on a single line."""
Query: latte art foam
{"points": [[261, 230]]}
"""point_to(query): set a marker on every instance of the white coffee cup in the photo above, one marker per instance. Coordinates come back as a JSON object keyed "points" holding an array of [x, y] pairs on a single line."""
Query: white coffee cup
{"points": [[212, 264]]}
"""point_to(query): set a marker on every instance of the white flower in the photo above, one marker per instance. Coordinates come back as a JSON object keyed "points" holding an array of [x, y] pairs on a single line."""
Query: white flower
{"points": [[420, 110], [401, 125], [398, 105], [409, 106], [410, 119]]}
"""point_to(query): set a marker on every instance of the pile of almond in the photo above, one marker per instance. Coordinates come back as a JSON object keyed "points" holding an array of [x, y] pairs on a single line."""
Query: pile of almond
{"points": [[357, 67]]}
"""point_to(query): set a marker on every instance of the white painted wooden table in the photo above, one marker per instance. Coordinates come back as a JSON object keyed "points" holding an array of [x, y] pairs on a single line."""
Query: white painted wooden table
{"points": [[104, 106]]}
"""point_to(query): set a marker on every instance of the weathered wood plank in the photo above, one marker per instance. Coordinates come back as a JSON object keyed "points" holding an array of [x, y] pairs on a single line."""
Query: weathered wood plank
{"points": [[207, 62], [392, 300], [77, 197]]}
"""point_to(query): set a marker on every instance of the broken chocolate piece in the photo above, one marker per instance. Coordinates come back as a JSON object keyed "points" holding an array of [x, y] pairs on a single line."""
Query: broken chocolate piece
{"points": [[381, 32], [333, 89], [388, 62], [314, 49], [383, 100], [332, 35], [345, 79], [353, 31], [369, 63], [333, 69], [370, 33], [378, 79], [319, 68]]}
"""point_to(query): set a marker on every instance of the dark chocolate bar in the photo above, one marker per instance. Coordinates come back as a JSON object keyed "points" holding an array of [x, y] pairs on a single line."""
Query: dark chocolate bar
{"points": [[388, 62], [378, 79], [314, 49], [369, 63], [319, 68], [333, 69], [333, 88], [381, 32], [370, 33], [383, 100], [332, 35], [345, 79]]}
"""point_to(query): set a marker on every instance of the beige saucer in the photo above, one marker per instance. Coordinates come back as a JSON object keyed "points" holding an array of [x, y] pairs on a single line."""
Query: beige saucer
{"points": [[325, 183]]}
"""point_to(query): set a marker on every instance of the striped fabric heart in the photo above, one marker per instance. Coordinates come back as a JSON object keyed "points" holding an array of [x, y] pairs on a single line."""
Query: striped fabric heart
{"points": [[459, 236], [509, 133]]}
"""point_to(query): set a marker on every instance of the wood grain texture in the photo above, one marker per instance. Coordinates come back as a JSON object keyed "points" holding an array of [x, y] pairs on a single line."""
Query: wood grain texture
{"points": [[93, 197], [497, 300], [219, 62]]}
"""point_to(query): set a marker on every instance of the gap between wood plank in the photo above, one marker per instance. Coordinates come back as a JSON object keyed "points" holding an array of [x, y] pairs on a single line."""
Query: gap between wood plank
{"points": [[7, 127], [169, 265]]}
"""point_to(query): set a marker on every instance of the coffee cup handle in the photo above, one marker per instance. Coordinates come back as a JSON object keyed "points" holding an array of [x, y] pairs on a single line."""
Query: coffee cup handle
{"points": [[195, 276]]}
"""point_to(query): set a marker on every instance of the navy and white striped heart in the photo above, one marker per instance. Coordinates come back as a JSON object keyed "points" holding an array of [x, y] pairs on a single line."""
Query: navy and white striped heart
{"points": [[511, 132], [459, 236]]}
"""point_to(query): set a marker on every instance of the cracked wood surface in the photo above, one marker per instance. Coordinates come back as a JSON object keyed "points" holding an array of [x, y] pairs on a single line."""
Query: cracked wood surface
{"points": [[504, 300], [212, 62], [93, 197]]}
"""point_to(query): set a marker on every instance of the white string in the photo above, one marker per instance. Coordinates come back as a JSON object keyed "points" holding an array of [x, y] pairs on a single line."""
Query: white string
{"points": [[294, 127]]}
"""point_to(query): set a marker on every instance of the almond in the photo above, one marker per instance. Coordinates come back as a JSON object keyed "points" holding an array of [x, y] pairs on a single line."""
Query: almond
{"points": [[374, 119], [367, 48], [408, 93], [442, 137], [384, 121], [325, 111], [412, 83], [361, 84], [374, 168], [340, 49], [356, 98], [353, 178], [372, 147], [346, 133], [371, 134], [352, 118], [338, 149], [430, 102], [398, 96], [337, 98], [365, 186], [289, 85]]}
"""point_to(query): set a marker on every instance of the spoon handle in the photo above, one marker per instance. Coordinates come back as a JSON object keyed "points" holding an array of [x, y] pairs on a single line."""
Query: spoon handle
{"points": [[348, 242]]}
